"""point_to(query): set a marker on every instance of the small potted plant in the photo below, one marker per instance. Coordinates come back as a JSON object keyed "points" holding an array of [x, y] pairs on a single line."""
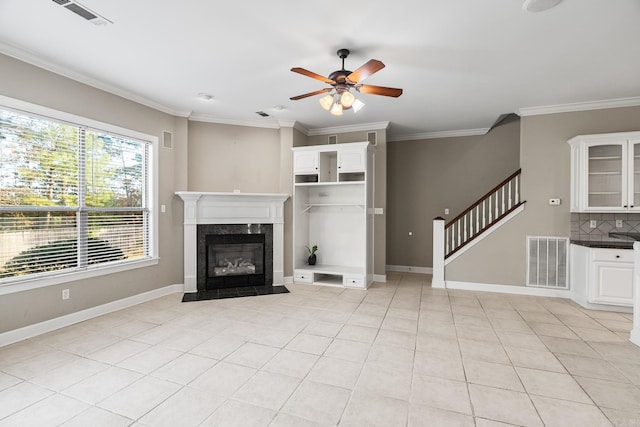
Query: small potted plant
{"points": [[312, 254]]}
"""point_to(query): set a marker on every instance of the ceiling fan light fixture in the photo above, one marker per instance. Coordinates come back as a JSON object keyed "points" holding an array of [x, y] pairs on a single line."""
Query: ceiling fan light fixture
{"points": [[347, 99], [336, 109], [357, 105], [326, 102]]}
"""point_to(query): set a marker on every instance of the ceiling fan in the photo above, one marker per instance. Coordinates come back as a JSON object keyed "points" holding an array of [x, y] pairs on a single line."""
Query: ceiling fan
{"points": [[339, 96]]}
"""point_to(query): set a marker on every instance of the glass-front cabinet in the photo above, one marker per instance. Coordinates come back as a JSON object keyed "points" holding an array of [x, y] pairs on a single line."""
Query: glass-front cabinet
{"points": [[605, 172]]}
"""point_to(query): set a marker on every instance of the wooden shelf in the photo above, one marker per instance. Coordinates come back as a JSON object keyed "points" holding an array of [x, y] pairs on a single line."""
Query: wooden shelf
{"points": [[328, 183]]}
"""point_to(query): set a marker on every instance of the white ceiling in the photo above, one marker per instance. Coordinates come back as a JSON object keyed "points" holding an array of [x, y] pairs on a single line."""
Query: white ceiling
{"points": [[461, 63]]}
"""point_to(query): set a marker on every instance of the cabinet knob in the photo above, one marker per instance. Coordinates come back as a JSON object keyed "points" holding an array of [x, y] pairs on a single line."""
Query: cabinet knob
{"points": [[625, 206], [617, 256], [631, 206]]}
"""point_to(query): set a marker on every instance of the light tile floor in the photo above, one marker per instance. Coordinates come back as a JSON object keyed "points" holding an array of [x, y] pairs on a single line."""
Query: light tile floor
{"points": [[398, 354]]}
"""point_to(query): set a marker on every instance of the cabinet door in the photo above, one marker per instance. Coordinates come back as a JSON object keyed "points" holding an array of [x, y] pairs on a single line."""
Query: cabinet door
{"points": [[606, 170], [352, 160], [634, 175], [612, 283], [305, 162]]}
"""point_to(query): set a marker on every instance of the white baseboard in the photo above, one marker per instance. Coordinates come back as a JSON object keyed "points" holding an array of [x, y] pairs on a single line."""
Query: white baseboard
{"points": [[635, 336], [582, 301], [30, 331], [410, 269], [508, 289], [380, 278]]}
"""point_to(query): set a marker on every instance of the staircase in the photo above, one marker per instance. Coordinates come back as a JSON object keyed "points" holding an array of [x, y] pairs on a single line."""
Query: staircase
{"points": [[491, 210]]}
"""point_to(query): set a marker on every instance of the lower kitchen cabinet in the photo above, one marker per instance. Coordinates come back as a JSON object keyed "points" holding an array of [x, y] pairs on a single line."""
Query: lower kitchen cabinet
{"points": [[602, 275]]}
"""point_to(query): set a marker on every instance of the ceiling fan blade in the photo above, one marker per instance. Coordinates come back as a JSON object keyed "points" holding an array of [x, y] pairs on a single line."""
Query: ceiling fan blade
{"points": [[380, 90], [312, 75], [373, 66], [306, 95]]}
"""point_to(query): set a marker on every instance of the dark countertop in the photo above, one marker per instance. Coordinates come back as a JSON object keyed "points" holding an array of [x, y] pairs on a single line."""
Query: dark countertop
{"points": [[623, 244]]}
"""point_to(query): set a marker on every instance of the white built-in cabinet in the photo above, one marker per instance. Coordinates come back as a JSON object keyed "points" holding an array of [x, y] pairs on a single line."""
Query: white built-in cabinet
{"points": [[602, 275], [605, 172], [333, 209]]}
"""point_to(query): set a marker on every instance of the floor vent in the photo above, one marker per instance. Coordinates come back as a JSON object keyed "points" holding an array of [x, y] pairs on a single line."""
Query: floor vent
{"points": [[547, 262]]}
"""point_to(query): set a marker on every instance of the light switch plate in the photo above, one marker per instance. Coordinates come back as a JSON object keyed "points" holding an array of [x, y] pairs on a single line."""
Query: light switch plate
{"points": [[593, 223], [619, 223]]}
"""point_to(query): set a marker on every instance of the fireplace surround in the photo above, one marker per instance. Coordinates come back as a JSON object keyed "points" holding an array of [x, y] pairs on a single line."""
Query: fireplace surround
{"points": [[211, 213], [234, 255]]}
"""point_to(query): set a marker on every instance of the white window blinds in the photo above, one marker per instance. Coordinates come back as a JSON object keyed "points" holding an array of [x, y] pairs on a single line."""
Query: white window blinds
{"points": [[71, 197]]}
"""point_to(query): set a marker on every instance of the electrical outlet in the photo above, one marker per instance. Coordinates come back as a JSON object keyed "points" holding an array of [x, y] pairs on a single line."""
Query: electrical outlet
{"points": [[554, 202], [619, 223], [593, 223], [65, 294], [411, 233], [446, 211]]}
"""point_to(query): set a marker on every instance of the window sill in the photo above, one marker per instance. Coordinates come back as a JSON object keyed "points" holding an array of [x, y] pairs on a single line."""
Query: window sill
{"points": [[41, 282]]}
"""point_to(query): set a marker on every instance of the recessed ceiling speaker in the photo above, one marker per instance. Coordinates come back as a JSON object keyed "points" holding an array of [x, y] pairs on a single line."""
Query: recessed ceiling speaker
{"points": [[539, 5]]}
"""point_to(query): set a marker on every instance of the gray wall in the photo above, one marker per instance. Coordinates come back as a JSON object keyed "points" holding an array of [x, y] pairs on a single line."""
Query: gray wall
{"points": [[427, 176], [227, 158], [31, 84], [545, 162]]}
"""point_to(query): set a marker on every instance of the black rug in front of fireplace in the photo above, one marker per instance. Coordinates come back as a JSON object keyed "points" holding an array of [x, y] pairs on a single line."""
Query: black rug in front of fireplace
{"points": [[244, 291]]}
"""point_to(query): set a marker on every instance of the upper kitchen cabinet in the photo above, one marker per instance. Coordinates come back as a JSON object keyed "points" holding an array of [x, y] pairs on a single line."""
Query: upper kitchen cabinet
{"points": [[605, 172]]}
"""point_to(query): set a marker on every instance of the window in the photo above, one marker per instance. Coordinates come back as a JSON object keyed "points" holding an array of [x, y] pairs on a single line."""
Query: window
{"points": [[73, 197]]}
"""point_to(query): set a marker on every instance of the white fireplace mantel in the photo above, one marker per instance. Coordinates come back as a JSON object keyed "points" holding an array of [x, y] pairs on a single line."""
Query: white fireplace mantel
{"points": [[231, 208]]}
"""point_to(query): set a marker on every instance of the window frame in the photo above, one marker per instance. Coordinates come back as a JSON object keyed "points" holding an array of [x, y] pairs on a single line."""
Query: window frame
{"points": [[35, 281]]}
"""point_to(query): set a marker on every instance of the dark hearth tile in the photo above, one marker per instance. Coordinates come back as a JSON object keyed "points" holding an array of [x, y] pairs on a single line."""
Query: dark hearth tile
{"points": [[248, 291]]}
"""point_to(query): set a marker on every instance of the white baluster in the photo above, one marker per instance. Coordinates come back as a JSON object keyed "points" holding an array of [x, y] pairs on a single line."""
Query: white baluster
{"points": [[465, 228], [490, 211], [509, 192], [484, 215], [470, 223], [477, 218], [497, 196], [517, 189], [503, 209]]}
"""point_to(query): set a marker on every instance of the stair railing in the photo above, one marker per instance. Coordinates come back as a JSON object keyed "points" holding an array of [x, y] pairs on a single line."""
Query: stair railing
{"points": [[496, 204]]}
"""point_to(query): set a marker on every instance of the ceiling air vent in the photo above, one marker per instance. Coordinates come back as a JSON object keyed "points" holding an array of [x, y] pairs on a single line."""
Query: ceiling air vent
{"points": [[83, 11], [262, 113]]}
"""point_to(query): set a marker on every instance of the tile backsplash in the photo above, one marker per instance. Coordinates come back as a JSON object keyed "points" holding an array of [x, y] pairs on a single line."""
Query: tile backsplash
{"points": [[605, 223]]}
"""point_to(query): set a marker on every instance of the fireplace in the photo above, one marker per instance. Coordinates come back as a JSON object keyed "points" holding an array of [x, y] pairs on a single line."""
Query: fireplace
{"points": [[233, 226], [234, 255]]}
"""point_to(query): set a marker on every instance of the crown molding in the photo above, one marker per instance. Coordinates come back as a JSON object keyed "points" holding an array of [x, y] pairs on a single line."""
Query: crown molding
{"points": [[293, 124], [580, 106], [198, 117], [439, 134], [349, 128], [32, 59]]}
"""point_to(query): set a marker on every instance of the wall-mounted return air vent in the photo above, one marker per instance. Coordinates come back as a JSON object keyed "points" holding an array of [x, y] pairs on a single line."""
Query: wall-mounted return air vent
{"points": [[84, 12], [547, 262], [167, 139]]}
